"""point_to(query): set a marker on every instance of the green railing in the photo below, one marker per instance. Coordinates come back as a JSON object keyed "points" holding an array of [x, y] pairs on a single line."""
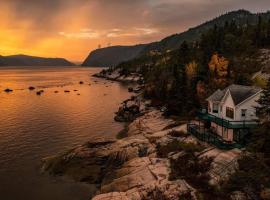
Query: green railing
{"points": [[212, 138], [226, 123]]}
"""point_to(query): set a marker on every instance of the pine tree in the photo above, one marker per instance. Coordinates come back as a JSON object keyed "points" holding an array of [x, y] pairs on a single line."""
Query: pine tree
{"points": [[264, 101]]}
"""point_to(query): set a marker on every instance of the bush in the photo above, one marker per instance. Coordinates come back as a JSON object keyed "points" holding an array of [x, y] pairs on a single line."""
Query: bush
{"points": [[175, 133], [164, 150], [252, 176], [195, 171], [177, 146], [189, 166], [157, 194]]}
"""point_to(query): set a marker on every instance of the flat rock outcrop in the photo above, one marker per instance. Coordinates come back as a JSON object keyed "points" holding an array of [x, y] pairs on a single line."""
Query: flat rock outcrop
{"points": [[130, 168]]}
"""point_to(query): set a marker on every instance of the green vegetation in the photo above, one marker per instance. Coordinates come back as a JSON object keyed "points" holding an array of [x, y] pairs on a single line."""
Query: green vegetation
{"points": [[259, 82], [264, 108], [253, 176], [175, 133], [177, 146], [181, 79], [194, 170], [157, 194]]}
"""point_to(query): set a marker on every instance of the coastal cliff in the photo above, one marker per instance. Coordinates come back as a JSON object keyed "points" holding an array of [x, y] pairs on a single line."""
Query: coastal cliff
{"points": [[112, 56]]}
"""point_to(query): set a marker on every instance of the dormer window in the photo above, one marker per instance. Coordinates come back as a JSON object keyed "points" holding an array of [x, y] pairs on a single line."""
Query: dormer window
{"points": [[215, 107]]}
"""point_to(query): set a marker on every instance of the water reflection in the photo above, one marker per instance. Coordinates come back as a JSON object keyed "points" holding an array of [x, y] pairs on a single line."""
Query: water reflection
{"points": [[33, 127]]}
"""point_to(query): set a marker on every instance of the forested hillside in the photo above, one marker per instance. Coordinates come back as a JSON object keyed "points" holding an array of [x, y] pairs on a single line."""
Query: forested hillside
{"points": [[182, 79], [112, 56], [240, 17]]}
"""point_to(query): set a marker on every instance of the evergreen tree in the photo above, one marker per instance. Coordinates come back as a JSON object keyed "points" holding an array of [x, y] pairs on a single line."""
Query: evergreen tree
{"points": [[264, 101]]}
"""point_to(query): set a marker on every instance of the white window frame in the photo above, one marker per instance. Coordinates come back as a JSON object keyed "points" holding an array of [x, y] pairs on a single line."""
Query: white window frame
{"points": [[215, 107], [243, 112]]}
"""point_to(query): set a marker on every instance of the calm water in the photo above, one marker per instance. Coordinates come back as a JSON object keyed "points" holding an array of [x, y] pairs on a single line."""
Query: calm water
{"points": [[33, 127]]}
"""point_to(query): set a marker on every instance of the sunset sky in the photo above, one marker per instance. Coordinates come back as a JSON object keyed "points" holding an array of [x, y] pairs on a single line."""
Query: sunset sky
{"points": [[72, 28]]}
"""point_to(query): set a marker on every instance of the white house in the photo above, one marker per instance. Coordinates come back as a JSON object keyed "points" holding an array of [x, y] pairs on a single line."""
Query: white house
{"points": [[230, 116], [233, 110], [235, 103]]}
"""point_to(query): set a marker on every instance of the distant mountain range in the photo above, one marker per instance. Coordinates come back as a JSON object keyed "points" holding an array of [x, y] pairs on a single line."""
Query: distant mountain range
{"points": [[24, 60], [112, 56]]}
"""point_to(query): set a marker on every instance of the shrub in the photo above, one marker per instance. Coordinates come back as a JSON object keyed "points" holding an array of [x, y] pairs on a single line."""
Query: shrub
{"points": [[189, 166], [175, 133], [194, 170], [177, 146], [164, 150], [157, 194], [252, 176]]}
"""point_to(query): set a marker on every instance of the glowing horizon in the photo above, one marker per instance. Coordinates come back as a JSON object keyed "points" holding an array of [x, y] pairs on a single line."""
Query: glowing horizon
{"points": [[72, 28]]}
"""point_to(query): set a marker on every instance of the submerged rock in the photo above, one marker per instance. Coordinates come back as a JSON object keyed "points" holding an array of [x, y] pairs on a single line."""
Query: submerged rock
{"points": [[39, 92], [8, 90]]}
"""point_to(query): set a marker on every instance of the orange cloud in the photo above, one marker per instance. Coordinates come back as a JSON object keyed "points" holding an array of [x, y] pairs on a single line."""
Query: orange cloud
{"points": [[72, 28]]}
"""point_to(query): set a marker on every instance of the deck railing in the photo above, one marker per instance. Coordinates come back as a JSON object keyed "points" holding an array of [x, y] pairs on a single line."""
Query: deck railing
{"points": [[226, 123], [207, 136]]}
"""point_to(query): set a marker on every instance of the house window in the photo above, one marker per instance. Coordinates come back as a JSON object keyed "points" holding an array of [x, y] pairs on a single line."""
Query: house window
{"points": [[215, 107], [229, 112], [243, 112]]}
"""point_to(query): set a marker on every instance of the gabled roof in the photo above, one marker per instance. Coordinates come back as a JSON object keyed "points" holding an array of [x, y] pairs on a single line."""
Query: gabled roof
{"points": [[239, 93], [216, 96]]}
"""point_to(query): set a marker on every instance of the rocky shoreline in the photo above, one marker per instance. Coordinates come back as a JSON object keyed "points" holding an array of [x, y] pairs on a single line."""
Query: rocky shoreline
{"points": [[115, 75], [138, 166], [130, 168]]}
